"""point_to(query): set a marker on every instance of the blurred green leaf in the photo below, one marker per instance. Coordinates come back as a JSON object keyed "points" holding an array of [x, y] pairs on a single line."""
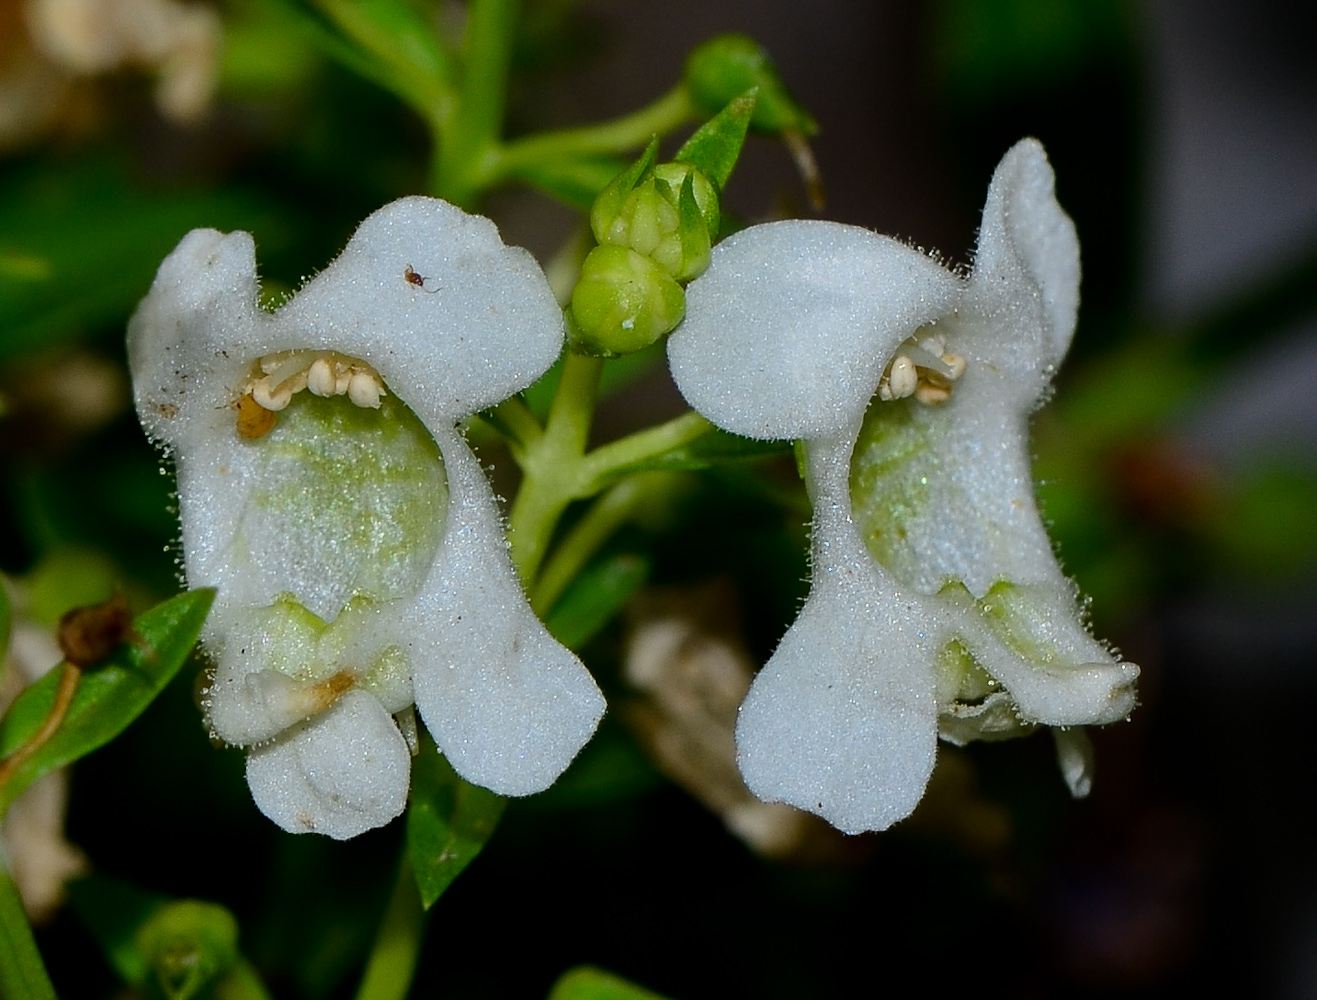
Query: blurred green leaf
{"points": [[987, 47], [174, 948], [1265, 529], [67, 577], [22, 973], [586, 982], [99, 236], [716, 145], [188, 945], [113, 911], [598, 593], [448, 822], [109, 697], [5, 615]]}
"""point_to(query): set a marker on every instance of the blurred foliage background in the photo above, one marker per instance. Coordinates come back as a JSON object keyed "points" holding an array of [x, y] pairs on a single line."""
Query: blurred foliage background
{"points": [[1177, 466]]}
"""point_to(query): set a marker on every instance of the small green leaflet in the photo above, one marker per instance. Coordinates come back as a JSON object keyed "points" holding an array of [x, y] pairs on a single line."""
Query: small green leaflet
{"points": [[109, 696], [448, 822]]}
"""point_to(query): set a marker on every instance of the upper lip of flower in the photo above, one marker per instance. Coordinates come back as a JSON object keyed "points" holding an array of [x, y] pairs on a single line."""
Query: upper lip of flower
{"points": [[788, 335], [505, 702]]}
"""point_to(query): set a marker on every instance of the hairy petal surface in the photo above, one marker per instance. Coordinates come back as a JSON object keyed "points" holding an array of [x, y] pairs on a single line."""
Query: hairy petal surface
{"points": [[937, 604], [349, 529], [344, 774], [507, 704], [788, 332], [842, 720]]}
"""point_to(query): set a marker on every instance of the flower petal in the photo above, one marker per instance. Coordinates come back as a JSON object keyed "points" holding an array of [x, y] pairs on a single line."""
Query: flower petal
{"points": [[1026, 269], [507, 704], [787, 334], [842, 720], [481, 324], [342, 774]]}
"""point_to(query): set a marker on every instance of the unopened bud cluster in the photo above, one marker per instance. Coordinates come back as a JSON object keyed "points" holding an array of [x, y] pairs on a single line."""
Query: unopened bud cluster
{"points": [[655, 225]]}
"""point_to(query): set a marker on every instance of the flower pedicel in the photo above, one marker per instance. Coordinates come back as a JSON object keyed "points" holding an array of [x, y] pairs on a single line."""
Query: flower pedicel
{"points": [[327, 493]]}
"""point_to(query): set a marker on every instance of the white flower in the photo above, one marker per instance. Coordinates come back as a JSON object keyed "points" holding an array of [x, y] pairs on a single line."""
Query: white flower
{"points": [[937, 603], [325, 490]]}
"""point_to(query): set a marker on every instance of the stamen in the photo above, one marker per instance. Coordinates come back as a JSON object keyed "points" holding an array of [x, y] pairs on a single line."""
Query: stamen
{"points": [[325, 373], [270, 396], [924, 369], [900, 380], [320, 378], [365, 389]]}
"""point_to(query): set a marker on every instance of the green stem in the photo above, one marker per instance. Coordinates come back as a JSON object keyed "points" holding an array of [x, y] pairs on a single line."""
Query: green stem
{"points": [[392, 963], [551, 465], [604, 517], [632, 131], [606, 460], [513, 419], [470, 145], [22, 973]]}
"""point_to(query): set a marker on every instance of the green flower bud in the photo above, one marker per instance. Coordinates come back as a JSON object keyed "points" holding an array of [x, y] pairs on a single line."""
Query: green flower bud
{"points": [[725, 67], [669, 214], [623, 302]]}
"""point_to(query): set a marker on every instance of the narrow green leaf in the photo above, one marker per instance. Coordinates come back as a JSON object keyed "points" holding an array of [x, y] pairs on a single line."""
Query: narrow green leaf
{"points": [[109, 697], [598, 593], [716, 145], [585, 982], [448, 822], [401, 49], [391, 966], [696, 238], [22, 973]]}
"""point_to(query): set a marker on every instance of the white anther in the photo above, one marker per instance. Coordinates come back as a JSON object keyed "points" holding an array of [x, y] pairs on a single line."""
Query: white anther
{"points": [[932, 395], [956, 365], [320, 378], [342, 380], [365, 390], [268, 396], [294, 383], [902, 379]]}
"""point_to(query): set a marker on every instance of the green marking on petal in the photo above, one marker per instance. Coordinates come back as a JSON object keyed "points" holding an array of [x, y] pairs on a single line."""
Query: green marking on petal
{"points": [[1023, 615], [891, 469], [959, 677], [349, 501]]}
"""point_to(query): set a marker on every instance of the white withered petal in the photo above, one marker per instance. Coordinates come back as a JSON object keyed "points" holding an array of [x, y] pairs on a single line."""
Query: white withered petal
{"points": [[327, 493], [937, 605]]}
